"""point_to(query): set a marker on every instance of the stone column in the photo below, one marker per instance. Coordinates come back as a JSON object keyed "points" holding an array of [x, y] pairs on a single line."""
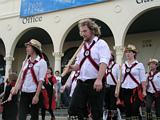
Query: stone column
{"points": [[9, 60], [119, 54], [58, 56]]}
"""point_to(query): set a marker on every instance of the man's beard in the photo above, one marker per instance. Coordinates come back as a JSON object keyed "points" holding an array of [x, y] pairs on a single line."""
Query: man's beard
{"points": [[86, 39], [153, 69]]}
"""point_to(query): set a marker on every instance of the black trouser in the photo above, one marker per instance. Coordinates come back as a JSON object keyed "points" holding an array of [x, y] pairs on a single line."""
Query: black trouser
{"points": [[110, 99], [149, 100], [65, 98], [10, 110], [83, 95], [110, 102], [43, 109], [26, 106], [43, 112], [131, 108]]}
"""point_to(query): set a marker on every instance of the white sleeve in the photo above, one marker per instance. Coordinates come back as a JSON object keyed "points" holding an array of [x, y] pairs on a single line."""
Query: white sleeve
{"points": [[104, 52], [42, 70], [69, 80], [142, 75]]}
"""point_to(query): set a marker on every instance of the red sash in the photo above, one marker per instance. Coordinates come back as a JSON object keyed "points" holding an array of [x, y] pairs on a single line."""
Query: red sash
{"points": [[137, 90], [128, 72], [87, 55], [30, 67], [150, 79], [77, 73], [109, 72], [52, 81], [45, 94]]}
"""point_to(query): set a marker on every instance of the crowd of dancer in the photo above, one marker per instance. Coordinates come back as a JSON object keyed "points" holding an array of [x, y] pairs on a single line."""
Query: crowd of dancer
{"points": [[93, 81]]}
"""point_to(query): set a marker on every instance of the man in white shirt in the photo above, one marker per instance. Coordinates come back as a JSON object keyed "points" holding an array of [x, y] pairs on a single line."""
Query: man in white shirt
{"points": [[30, 84], [153, 89], [92, 63], [58, 78], [112, 74], [133, 84]]}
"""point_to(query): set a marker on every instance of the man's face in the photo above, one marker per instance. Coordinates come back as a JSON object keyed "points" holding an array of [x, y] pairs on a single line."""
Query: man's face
{"points": [[57, 73], [86, 33], [153, 65], [129, 54], [29, 49], [49, 71]]}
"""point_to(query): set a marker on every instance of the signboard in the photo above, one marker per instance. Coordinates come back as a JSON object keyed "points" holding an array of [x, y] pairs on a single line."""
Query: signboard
{"points": [[34, 7]]}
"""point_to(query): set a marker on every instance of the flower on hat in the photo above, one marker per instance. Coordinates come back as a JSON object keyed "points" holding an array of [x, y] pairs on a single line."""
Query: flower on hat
{"points": [[131, 47]]}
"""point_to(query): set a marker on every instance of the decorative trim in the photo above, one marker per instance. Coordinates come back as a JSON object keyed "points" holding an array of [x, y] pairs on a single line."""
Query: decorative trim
{"points": [[119, 50], [9, 58], [9, 15], [58, 54], [117, 9]]}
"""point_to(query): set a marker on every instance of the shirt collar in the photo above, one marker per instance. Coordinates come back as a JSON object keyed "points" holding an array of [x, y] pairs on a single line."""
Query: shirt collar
{"points": [[135, 61], [37, 58], [94, 39]]}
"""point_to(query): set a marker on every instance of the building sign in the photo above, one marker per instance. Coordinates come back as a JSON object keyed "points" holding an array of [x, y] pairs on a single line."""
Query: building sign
{"points": [[143, 1], [34, 7], [31, 19]]}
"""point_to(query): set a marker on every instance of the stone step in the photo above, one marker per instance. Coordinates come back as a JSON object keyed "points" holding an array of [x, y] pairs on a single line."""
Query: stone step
{"points": [[61, 112]]}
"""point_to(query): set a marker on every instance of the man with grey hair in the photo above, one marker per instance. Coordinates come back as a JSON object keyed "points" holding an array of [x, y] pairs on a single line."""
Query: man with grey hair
{"points": [[91, 61]]}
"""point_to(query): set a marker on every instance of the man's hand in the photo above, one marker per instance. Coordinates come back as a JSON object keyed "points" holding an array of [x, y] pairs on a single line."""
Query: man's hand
{"points": [[117, 89], [98, 85], [49, 75], [144, 93], [9, 98], [67, 69], [35, 99], [56, 96], [14, 91]]}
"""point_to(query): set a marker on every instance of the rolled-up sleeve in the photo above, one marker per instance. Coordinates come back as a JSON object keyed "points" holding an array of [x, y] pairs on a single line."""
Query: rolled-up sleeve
{"points": [[104, 52], [42, 70], [142, 72]]}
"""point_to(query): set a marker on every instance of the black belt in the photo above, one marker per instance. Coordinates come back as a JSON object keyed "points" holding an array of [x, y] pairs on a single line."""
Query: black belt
{"points": [[88, 81], [110, 86]]}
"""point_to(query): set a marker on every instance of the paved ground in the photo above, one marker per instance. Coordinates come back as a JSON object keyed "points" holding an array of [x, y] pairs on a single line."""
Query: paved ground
{"points": [[47, 117], [61, 114]]}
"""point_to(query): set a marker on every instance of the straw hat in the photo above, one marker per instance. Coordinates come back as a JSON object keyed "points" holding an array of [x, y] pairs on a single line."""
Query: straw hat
{"points": [[153, 61], [34, 43], [131, 48]]}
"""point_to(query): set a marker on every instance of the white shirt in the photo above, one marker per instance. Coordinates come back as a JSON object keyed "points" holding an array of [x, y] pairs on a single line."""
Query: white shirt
{"points": [[40, 69], [156, 82], [115, 72], [58, 78], [100, 53], [69, 80], [137, 71], [73, 86], [71, 83]]}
